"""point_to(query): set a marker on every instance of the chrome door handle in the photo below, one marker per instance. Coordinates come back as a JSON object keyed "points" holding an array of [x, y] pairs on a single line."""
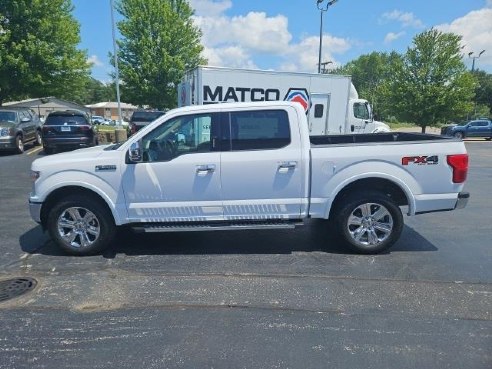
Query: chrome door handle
{"points": [[285, 166], [202, 170]]}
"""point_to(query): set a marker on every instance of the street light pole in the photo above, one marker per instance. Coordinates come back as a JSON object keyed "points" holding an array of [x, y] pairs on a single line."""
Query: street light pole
{"points": [[117, 75], [473, 70], [322, 8], [474, 58]]}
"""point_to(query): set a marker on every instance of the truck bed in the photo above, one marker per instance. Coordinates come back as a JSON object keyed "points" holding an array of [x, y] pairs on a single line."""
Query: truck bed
{"points": [[374, 138]]}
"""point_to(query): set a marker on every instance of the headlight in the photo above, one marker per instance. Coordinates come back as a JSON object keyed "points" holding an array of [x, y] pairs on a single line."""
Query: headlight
{"points": [[35, 175], [4, 132]]}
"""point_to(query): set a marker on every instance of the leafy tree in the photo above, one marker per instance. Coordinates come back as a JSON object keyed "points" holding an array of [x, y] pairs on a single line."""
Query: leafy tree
{"points": [[159, 43], [368, 74], [430, 85], [96, 91], [483, 91], [38, 50]]}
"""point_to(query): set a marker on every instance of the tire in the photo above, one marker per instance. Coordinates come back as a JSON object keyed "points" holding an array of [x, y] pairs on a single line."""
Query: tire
{"points": [[19, 144], [81, 225], [488, 138], [48, 150], [459, 135], [39, 138], [368, 223]]}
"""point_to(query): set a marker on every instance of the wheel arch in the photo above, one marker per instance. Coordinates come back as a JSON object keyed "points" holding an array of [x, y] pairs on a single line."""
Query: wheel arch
{"points": [[66, 191], [401, 196]]}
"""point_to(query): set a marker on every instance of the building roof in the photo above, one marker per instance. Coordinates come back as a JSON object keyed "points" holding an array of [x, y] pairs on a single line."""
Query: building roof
{"points": [[111, 105], [45, 101]]}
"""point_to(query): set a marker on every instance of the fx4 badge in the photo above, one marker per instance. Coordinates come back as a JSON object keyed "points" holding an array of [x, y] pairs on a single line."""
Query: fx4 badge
{"points": [[420, 160]]}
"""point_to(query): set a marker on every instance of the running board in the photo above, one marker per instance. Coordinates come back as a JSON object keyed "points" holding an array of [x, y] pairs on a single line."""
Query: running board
{"points": [[214, 226]]}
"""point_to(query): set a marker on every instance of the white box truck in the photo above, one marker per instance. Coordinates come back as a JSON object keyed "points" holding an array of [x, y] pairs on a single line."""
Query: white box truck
{"points": [[331, 102]]}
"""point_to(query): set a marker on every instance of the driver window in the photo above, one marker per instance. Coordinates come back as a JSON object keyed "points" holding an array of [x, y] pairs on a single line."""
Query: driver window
{"points": [[360, 111], [181, 135]]}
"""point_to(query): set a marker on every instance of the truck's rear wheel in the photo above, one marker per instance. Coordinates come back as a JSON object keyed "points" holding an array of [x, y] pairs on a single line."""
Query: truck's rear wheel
{"points": [[81, 225], [369, 223]]}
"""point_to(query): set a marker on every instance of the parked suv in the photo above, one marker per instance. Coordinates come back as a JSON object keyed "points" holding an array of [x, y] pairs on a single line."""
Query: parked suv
{"points": [[68, 129], [140, 119], [19, 126], [475, 128]]}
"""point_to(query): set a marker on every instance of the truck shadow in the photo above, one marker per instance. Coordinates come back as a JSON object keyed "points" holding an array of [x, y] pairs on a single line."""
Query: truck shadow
{"points": [[315, 236]]}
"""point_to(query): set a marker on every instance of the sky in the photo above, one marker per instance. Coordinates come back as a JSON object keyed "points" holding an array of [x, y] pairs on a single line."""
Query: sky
{"points": [[284, 34]]}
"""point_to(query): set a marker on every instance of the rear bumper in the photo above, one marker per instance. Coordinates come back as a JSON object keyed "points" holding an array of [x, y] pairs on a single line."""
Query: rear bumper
{"points": [[462, 200], [52, 142]]}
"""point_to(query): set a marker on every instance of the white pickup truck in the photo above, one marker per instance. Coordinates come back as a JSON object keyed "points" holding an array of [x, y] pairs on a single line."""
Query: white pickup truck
{"points": [[243, 166]]}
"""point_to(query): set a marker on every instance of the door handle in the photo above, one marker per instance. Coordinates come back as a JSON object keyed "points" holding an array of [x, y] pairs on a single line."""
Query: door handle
{"points": [[285, 166], [203, 170]]}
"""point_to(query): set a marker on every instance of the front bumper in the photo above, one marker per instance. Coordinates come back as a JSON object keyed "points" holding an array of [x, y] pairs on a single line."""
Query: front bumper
{"points": [[35, 211], [7, 143]]}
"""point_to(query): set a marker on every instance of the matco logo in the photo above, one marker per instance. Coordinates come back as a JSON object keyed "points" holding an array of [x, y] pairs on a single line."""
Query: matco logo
{"points": [[299, 95], [420, 160]]}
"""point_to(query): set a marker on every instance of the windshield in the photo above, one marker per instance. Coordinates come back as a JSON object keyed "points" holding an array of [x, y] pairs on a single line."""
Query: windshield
{"points": [[7, 116], [146, 116]]}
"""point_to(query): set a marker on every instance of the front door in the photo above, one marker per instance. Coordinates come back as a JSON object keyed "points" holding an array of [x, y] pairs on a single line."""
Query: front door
{"points": [[179, 178], [262, 166], [318, 115]]}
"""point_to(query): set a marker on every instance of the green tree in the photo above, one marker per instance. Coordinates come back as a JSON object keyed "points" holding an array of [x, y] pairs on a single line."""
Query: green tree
{"points": [[159, 43], [430, 85], [96, 91], [483, 92], [368, 74], [38, 50]]}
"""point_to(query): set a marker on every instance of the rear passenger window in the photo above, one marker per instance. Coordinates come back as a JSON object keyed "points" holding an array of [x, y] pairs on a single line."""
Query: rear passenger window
{"points": [[259, 130]]}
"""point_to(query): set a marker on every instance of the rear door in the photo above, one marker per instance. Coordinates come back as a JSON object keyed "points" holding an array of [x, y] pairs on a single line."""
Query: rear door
{"points": [[262, 169]]}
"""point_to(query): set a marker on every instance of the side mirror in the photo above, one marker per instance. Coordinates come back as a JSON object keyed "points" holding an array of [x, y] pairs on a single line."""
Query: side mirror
{"points": [[135, 152], [25, 120]]}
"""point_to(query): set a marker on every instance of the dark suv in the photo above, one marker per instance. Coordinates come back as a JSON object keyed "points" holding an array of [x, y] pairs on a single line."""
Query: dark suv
{"points": [[19, 126], [141, 118], [68, 129]]}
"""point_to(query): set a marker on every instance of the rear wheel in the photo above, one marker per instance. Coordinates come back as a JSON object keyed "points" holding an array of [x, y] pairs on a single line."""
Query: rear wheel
{"points": [[81, 225], [369, 223], [19, 144]]}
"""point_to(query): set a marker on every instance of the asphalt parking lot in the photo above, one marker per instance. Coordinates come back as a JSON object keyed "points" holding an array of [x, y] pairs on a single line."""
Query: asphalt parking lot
{"points": [[254, 299]]}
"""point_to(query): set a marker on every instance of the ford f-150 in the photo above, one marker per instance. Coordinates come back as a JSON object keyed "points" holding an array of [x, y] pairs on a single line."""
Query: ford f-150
{"points": [[243, 166]]}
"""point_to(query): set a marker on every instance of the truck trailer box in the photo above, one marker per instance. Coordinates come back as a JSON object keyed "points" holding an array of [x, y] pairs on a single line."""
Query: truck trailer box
{"points": [[330, 101]]}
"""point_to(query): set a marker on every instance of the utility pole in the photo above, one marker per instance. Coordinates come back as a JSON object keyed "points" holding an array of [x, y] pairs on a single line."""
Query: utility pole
{"points": [[117, 75]]}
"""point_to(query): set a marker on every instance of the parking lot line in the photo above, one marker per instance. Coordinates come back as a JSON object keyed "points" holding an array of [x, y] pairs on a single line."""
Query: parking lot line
{"points": [[35, 150]]}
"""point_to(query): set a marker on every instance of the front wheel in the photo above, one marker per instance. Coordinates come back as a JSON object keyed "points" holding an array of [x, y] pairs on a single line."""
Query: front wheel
{"points": [[81, 225], [369, 223], [19, 144], [459, 135]]}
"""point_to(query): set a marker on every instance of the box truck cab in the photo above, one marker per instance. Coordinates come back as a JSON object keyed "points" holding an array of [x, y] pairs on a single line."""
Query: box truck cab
{"points": [[331, 102]]}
